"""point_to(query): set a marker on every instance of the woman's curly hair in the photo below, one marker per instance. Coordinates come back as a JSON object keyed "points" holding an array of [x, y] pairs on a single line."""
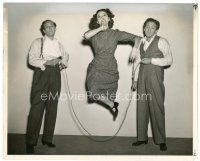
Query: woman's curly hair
{"points": [[93, 21]]}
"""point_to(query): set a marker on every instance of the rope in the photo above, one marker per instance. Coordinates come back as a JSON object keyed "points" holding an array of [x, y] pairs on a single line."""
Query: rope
{"points": [[89, 135]]}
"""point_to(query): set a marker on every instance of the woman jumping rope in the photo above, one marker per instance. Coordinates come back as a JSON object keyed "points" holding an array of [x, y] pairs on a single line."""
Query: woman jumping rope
{"points": [[102, 74]]}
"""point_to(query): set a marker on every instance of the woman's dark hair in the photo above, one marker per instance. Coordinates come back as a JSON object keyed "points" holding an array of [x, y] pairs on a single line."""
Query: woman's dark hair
{"points": [[93, 21], [42, 26]]}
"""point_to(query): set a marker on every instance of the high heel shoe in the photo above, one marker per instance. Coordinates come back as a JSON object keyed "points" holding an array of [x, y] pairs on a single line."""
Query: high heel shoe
{"points": [[115, 107], [48, 144]]}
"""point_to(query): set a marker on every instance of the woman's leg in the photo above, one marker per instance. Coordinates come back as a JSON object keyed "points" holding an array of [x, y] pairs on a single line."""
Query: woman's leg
{"points": [[113, 106]]}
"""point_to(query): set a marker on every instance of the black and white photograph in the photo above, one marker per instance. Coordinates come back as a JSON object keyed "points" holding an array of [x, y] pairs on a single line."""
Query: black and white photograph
{"points": [[116, 80]]}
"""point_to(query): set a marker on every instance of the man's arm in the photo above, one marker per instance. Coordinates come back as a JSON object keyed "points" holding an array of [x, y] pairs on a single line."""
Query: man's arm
{"points": [[34, 55], [164, 47], [65, 55]]}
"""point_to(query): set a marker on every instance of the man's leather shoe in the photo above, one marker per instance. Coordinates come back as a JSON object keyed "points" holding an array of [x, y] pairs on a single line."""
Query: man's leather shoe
{"points": [[30, 148], [139, 143], [48, 144], [163, 147]]}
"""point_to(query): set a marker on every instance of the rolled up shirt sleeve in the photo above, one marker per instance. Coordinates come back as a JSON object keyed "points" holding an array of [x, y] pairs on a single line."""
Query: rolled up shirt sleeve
{"points": [[164, 47], [65, 55], [34, 55]]}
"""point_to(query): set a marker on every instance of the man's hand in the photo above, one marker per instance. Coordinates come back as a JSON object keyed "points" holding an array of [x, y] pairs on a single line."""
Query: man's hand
{"points": [[62, 66], [53, 61], [146, 61], [134, 86]]}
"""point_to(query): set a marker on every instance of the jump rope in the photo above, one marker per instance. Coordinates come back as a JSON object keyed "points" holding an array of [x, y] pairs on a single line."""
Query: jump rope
{"points": [[89, 135]]}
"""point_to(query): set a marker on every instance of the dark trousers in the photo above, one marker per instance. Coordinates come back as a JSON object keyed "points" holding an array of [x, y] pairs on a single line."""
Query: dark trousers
{"points": [[150, 105], [45, 92]]}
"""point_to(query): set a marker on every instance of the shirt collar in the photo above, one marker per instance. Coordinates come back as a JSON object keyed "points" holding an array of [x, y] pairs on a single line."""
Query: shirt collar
{"points": [[47, 38], [144, 39]]}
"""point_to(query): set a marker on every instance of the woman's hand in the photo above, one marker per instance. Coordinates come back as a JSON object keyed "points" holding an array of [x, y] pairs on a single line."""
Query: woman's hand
{"points": [[103, 27], [134, 86], [134, 55], [131, 58]]}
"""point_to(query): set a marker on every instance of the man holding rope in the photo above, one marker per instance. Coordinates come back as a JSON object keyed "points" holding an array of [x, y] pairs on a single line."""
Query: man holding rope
{"points": [[48, 57], [154, 53]]}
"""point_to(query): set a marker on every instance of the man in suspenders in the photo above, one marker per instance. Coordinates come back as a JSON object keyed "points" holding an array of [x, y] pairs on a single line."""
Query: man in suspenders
{"points": [[154, 53], [48, 57]]}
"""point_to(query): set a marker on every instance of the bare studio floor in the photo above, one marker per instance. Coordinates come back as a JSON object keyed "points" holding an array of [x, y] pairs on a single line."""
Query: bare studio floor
{"points": [[81, 145]]}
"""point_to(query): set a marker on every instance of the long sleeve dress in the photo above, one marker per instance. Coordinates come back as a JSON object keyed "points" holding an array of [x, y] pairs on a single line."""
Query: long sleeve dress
{"points": [[102, 74]]}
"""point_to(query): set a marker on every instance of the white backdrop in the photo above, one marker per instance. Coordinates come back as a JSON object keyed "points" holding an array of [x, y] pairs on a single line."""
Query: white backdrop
{"points": [[72, 20]]}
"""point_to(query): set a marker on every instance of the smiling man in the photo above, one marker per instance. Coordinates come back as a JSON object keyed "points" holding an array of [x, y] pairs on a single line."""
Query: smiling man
{"points": [[153, 55], [48, 57]]}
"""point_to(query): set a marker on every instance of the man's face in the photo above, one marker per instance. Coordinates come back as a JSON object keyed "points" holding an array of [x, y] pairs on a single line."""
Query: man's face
{"points": [[49, 29], [150, 29]]}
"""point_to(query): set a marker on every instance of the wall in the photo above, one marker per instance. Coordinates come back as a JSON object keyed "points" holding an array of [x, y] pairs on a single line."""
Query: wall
{"points": [[72, 20]]}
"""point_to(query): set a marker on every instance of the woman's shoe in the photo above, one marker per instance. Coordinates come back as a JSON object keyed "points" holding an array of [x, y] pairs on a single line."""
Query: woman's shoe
{"points": [[48, 144], [115, 110]]}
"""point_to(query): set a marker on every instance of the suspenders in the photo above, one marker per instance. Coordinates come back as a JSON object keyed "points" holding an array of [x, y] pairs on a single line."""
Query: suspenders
{"points": [[41, 50]]}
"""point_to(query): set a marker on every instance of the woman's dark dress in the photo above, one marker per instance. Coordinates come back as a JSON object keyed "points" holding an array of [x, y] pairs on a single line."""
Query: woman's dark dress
{"points": [[102, 75]]}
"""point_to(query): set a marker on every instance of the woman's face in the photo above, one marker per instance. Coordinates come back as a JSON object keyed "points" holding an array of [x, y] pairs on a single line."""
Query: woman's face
{"points": [[102, 18], [150, 29]]}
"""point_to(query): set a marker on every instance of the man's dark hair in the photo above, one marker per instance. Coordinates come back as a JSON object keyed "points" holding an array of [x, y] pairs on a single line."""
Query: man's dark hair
{"points": [[93, 21], [42, 26], [152, 20]]}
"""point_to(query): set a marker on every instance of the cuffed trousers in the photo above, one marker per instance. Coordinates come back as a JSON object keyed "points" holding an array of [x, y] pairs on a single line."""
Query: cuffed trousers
{"points": [[150, 104], [45, 92]]}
